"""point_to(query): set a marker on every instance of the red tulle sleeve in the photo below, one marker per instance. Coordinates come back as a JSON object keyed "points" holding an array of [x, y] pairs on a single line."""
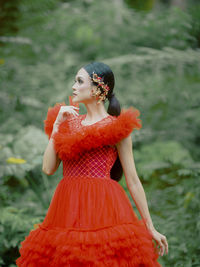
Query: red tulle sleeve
{"points": [[51, 117], [124, 124]]}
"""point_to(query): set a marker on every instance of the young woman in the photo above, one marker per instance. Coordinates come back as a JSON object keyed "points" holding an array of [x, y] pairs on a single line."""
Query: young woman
{"points": [[90, 221]]}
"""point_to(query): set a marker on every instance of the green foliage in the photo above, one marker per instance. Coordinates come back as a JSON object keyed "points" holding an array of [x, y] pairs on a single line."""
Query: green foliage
{"points": [[171, 182], [14, 226], [9, 16], [176, 214], [13, 146], [161, 156], [141, 4], [194, 12], [156, 60]]}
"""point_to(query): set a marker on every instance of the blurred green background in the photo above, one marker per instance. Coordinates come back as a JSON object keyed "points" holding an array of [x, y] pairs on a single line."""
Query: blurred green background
{"points": [[153, 48]]}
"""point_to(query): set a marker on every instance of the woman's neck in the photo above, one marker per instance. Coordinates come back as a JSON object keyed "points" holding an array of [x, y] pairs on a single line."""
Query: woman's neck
{"points": [[95, 112]]}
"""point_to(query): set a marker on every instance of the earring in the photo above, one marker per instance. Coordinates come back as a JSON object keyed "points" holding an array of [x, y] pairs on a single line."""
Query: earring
{"points": [[97, 92]]}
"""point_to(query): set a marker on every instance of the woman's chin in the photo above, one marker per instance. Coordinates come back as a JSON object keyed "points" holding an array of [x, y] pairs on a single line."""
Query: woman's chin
{"points": [[75, 99]]}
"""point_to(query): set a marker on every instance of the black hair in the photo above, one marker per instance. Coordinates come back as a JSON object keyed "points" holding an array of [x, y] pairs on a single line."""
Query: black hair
{"points": [[114, 109]]}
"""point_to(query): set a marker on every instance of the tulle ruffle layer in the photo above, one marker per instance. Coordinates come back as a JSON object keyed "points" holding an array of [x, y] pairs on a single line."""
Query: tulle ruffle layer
{"points": [[71, 142], [123, 245], [51, 117], [90, 223]]}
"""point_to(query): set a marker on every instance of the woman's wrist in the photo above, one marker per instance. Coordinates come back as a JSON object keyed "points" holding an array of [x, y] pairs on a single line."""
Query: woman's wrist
{"points": [[150, 226], [51, 139]]}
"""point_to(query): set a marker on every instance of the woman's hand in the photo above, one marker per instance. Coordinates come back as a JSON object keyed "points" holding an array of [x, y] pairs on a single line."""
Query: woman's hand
{"points": [[63, 113], [161, 241]]}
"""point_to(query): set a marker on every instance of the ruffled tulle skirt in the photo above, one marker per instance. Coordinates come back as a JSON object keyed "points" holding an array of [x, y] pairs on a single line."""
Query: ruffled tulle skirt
{"points": [[90, 223]]}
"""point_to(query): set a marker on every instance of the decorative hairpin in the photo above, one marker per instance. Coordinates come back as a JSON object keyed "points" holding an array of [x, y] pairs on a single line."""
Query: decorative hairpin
{"points": [[101, 84]]}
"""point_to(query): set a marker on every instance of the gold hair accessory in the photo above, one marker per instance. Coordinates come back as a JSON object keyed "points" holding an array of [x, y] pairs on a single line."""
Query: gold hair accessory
{"points": [[101, 84]]}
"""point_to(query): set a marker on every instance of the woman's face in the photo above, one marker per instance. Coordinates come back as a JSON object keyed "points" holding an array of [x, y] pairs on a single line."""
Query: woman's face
{"points": [[82, 87]]}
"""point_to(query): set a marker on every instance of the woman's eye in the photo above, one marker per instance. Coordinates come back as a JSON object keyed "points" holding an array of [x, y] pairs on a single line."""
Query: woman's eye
{"points": [[79, 81]]}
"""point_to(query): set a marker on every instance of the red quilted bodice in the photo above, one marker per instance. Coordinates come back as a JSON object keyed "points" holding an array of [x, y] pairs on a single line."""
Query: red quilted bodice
{"points": [[96, 162]]}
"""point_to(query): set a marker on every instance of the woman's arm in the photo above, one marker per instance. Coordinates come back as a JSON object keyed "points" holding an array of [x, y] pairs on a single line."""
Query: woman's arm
{"points": [[134, 185], [51, 161], [136, 190]]}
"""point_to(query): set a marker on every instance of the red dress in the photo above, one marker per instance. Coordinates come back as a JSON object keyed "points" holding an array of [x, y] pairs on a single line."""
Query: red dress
{"points": [[90, 221]]}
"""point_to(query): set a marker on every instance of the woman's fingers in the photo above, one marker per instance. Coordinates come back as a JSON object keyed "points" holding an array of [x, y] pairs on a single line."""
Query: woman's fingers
{"points": [[163, 246], [74, 111], [161, 242], [164, 240], [71, 110]]}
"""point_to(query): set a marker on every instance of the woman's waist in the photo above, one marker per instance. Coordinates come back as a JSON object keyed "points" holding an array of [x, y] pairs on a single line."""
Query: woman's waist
{"points": [[87, 177]]}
